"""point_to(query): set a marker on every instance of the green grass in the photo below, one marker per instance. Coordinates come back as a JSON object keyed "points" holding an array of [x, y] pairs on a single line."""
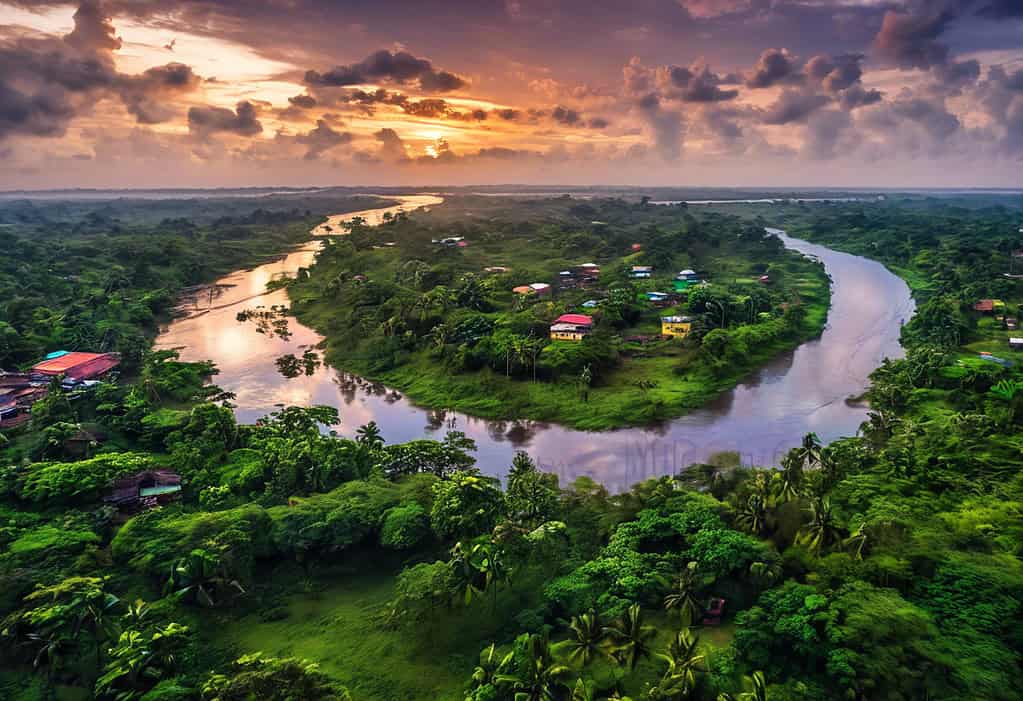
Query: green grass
{"points": [[338, 623]]}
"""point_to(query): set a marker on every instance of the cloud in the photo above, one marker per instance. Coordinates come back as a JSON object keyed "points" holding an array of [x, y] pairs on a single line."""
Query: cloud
{"points": [[321, 139], [823, 132], [203, 121], [910, 39], [775, 67], [303, 102], [148, 96], [665, 126], [93, 29], [399, 67], [793, 106], [598, 123], [696, 84], [857, 96], [392, 148], [1001, 9], [565, 116], [835, 73]]}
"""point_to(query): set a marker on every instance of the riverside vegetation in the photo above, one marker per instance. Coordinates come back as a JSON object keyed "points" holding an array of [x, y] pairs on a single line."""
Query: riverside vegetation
{"points": [[442, 323], [300, 565]]}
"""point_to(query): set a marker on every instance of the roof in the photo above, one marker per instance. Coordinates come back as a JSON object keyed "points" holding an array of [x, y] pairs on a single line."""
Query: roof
{"points": [[577, 319], [642, 268], [56, 354], [676, 319], [522, 289], [589, 265], [539, 286], [1015, 341], [687, 271], [78, 366], [656, 295], [988, 305], [567, 327]]}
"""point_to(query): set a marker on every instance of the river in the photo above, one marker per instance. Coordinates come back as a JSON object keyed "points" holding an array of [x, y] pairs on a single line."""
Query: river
{"points": [[798, 392]]}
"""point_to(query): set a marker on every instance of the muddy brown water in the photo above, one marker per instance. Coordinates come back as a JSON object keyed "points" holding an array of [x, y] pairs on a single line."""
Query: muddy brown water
{"points": [[798, 392]]}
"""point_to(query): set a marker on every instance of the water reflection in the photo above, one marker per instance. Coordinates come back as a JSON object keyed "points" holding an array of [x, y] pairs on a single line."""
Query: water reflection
{"points": [[805, 390]]}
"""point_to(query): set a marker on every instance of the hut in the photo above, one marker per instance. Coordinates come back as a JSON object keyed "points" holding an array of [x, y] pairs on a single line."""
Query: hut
{"points": [[642, 272], [144, 490], [676, 326], [542, 289]]}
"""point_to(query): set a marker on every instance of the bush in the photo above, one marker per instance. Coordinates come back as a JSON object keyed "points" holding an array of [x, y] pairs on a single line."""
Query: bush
{"points": [[404, 527], [63, 483]]}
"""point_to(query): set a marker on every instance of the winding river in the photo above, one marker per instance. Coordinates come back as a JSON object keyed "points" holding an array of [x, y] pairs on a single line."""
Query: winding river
{"points": [[801, 391]]}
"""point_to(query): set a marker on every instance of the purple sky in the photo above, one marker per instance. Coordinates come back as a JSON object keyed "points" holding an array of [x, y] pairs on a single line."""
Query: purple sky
{"points": [[149, 93]]}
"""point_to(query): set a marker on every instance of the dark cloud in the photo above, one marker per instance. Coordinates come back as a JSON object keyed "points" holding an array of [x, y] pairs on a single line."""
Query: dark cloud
{"points": [[203, 121], [93, 29], [932, 115], [1001, 9], [835, 73], [910, 39], [321, 139], [41, 114], [793, 106], [598, 123], [953, 76], [698, 84], [774, 67], [857, 96], [149, 96], [399, 67], [303, 102], [427, 108], [566, 116]]}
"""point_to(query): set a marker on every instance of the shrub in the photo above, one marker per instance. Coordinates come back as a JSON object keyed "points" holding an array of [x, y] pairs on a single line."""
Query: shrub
{"points": [[404, 527]]}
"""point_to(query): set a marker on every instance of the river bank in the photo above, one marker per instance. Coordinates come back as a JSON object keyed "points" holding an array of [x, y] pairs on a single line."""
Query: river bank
{"points": [[767, 413]]}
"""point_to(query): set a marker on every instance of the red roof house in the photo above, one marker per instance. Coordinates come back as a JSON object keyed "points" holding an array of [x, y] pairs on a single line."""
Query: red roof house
{"points": [[576, 319], [78, 366]]}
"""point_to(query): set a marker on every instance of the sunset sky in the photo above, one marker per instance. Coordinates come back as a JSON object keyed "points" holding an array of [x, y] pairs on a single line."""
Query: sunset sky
{"points": [[149, 93]]}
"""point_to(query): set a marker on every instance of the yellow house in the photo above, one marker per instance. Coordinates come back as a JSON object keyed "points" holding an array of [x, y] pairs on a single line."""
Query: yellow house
{"points": [[571, 327], [676, 326]]}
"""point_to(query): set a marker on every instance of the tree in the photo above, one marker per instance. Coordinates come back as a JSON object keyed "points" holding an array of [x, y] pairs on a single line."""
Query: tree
{"points": [[257, 676], [537, 676], [369, 435], [822, 531], [139, 660], [532, 496], [631, 636], [201, 578], [756, 687], [683, 597], [421, 589], [589, 639], [465, 505], [682, 658]]}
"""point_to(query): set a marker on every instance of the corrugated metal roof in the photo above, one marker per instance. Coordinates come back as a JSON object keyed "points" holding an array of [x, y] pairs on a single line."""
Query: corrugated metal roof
{"points": [[577, 319], [78, 366]]}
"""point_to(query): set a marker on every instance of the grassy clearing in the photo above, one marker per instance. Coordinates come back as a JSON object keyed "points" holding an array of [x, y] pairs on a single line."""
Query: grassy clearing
{"points": [[337, 621]]}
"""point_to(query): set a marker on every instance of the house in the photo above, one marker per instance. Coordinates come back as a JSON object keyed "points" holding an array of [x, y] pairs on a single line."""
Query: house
{"points": [[680, 285], [591, 304], [540, 288], [144, 490], [989, 306], [523, 290], [571, 327], [637, 247], [78, 367], [450, 241], [688, 275], [764, 279], [18, 392], [676, 326], [656, 297], [496, 269], [1016, 343], [1011, 323], [642, 271]]}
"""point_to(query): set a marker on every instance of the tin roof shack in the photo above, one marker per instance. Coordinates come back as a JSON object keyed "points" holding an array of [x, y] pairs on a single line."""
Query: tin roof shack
{"points": [[1016, 343], [78, 367], [144, 490], [18, 392], [542, 289], [642, 272]]}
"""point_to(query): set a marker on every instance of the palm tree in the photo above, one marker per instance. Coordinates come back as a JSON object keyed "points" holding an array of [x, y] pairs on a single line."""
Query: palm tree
{"points": [[369, 435], [582, 691], [683, 597], [752, 515], [541, 678], [822, 531], [682, 658], [96, 615], [467, 573], [590, 639], [199, 577], [766, 573], [810, 450], [631, 637], [491, 565], [490, 665], [791, 476]]}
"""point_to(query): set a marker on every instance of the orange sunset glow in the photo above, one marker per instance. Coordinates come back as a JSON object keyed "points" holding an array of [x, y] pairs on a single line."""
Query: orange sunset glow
{"points": [[732, 92]]}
